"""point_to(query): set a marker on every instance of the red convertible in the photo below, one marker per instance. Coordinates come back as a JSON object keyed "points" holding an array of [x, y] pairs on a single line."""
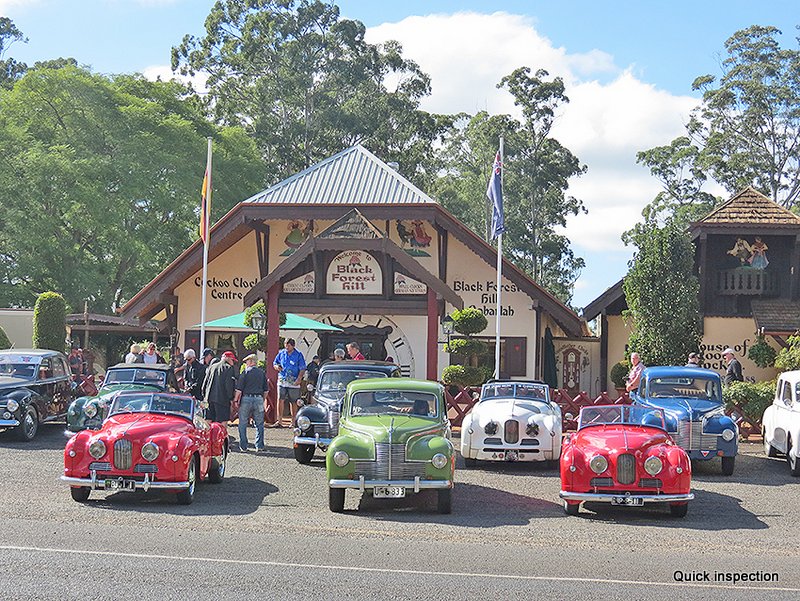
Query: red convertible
{"points": [[622, 455], [149, 441]]}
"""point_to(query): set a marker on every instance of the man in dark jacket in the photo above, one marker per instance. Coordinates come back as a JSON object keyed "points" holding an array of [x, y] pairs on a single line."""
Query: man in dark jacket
{"points": [[734, 371], [194, 373], [218, 388]]}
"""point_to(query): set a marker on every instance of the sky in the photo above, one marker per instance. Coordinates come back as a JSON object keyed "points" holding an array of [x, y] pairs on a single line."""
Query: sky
{"points": [[628, 68]]}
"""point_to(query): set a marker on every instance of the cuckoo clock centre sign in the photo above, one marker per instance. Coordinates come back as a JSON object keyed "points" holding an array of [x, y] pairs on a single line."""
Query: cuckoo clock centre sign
{"points": [[354, 272]]}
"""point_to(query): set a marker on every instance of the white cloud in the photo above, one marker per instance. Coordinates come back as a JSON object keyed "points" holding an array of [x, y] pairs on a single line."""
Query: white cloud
{"points": [[6, 5], [164, 72]]}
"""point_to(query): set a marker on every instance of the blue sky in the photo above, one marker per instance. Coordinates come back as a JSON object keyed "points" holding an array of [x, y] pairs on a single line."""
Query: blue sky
{"points": [[628, 68]]}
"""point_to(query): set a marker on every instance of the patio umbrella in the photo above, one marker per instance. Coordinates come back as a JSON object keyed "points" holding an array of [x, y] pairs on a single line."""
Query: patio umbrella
{"points": [[293, 322], [550, 373]]}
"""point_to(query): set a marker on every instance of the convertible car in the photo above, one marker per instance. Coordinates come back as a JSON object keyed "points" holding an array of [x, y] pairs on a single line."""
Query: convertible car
{"points": [[692, 402], [512, 421], [149, 441], [318, 422], [623, 455], [394, 439], [781, 421], [88, 412]]}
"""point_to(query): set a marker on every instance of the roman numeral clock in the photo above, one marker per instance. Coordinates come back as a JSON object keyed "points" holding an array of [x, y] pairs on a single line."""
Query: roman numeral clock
{"points": [[396, 344]]}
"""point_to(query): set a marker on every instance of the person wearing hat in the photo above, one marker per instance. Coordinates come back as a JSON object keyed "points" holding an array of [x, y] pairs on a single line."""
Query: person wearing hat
{"points": [[734, 371], [194, 372], [218, 388], [693, 360], [251, 395], [207, 357]]}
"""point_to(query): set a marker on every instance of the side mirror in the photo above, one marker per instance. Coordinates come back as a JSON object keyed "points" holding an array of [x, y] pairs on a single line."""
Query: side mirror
{"points": [[569, 417]]}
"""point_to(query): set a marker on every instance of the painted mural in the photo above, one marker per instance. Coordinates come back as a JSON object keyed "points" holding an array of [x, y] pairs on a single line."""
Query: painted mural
{"points": [[750, 255], [413, 237], [299, 232]]}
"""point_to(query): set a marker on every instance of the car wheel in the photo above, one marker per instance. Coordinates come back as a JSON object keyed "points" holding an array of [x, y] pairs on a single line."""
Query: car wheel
{"points": [[679, 510], [769, 450], [794, 464], [186, 496], [728, 463], [444, 502], [336, 499], [80, 493], [469, 462], [29, 425], [304, 453], [217, 471], [571, 508]]}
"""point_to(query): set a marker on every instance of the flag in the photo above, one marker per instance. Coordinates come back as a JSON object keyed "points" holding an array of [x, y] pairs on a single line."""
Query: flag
{"points": [[495, 193], [205, 206]]}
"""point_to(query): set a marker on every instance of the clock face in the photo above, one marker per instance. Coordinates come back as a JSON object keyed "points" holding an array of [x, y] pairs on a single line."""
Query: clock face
{"points": [[396, 346]]}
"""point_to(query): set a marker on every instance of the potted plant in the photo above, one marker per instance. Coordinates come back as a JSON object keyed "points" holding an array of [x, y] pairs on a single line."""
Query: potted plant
{"points": [[619, 373]]}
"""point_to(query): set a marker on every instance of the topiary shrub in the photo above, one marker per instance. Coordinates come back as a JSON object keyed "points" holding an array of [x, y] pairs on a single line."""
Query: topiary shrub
{"points": [[789, 357], [752, 397], [619, 373], [4, 341], [50, 322], [259, 307], [469, 321], [465, 375], [761, 353]]}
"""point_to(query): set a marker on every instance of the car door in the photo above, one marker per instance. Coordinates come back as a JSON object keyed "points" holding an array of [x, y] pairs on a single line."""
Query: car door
{"points": [[202, 431], [45, 389], [62, 389], [783, 414]]}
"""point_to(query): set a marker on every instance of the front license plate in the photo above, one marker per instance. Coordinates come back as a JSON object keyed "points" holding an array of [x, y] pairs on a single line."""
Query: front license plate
{"points": [[630, 501], [389, 492], [120, 484]]}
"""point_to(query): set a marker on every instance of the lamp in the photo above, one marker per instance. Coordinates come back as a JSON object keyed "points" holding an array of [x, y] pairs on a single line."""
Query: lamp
{"points": [[448, 326], [259, 321]]}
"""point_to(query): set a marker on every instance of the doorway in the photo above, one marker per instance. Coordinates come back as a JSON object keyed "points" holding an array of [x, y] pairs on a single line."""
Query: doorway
{"points": [[371, 341]]}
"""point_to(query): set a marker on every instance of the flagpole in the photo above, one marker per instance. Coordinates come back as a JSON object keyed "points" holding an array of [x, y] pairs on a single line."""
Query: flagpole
{"points": [[499, 287], [206, 244]]}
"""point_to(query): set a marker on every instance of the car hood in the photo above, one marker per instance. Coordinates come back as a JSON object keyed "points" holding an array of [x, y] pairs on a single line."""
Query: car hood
{"points": [[333, 397], [627, 437], [402, 426], [503, 409], [8, 384], [145, 425], [684, 408]]}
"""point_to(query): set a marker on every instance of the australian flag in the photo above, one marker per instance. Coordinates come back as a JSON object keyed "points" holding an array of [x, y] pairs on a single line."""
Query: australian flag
{"points": [[495, 194]]}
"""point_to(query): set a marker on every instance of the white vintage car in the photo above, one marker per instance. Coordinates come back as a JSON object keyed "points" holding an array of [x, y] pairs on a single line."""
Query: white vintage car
{"points": [[512, 421], [781, 422]]}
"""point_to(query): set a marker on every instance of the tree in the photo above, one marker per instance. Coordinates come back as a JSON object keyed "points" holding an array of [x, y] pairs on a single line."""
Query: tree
{"points": [[468, 321], [10, 69], [107, 173], [661, 291], [50, 322], [5, 343]]}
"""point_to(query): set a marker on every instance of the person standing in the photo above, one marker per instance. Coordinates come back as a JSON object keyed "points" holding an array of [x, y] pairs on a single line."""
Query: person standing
{"points": [[218, 388], [151, 356], [75, 363], [338, 355], [313, 370], [734, 371], [355, 352], [635, 374], [693, 360], [134, 356], [291, 365], [251, 395], [178, 364], [194, 372]]}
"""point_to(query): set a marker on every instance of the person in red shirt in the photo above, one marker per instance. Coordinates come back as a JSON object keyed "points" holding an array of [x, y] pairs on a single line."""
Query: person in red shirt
{"points": [[354, 352]]}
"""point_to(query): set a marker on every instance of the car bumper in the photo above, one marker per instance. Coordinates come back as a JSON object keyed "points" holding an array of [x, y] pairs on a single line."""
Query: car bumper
{"points": [[313, 440], [416, 484], [607, 497], [514, 454], [708, 455], [9, 423], [99, 483]]}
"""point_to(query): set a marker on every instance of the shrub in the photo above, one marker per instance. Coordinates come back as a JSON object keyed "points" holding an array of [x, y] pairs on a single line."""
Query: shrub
{"points": [[761, 353], [465, 375], [469, 321], [465, 346], [4, 341], [50, 322], [789, 357], [753, 398], [619, 373], [259, 307]]}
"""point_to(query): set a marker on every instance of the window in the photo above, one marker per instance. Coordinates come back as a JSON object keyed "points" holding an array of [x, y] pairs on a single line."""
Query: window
{"points": [[59, 369], [787, 393]]}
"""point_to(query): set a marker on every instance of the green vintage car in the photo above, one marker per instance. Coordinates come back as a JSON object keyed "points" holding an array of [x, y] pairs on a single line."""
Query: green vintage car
{"points": [[88, 413], [394, 439]]}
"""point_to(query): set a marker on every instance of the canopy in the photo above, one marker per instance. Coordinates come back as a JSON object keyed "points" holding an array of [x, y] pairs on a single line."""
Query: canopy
{"points": [[293, 322]]}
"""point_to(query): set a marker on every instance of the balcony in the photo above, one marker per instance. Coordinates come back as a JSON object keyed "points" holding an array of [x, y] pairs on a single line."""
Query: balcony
{"points": [[746, 281]]}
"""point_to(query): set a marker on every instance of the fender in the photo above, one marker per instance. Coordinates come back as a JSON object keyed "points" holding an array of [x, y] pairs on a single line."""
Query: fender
{"points": [[219, 439], [717, 423], [466, 437], [314, 413]]}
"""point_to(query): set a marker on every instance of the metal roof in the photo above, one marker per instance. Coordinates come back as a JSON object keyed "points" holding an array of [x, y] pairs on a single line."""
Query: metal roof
{"points": [[354, 176]]}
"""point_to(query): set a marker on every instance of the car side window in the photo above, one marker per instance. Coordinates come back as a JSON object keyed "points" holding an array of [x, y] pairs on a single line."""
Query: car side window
{"points": [[58, 368], [787, 393], [45, 369]]}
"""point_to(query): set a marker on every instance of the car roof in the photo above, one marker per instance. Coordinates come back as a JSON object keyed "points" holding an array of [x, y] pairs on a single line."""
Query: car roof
{"points": [[158, 366], [395, 384], [790, 376], [37, 352], [359, 365], [661, 371], [496, 381]]}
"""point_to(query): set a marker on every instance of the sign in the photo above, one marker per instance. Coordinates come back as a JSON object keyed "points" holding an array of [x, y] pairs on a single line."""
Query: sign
{"points": [[407, 285], [227, 289], [354, 272], [301, 285], [488, 296]]}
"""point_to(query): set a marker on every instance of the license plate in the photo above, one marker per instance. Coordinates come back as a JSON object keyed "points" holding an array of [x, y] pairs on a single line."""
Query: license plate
{"points": [[389, 492], [120, 484], [629, 501]]}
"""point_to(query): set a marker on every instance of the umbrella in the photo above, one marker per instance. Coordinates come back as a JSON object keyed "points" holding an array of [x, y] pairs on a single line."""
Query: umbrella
{"points": [[550, 374], [293, 322]]}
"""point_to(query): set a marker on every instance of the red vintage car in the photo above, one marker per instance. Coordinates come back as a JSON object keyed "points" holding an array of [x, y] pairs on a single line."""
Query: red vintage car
{"points": [[623, 455], [149, 441]]}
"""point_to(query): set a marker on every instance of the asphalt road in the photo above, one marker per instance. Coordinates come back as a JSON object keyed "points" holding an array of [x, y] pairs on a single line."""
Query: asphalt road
{"points": [[266, 533]]}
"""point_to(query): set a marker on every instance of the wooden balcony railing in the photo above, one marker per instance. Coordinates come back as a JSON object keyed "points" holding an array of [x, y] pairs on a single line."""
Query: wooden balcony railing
{"points": [[747, 281]]}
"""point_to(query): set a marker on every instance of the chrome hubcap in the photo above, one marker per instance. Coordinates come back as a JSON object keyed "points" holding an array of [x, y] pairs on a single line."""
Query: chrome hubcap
{"points": [[30, 424], [222, 459], [191, 477]]}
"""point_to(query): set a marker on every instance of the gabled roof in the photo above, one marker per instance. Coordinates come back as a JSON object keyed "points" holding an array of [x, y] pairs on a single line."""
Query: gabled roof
{"points": [[748, 208], [353, 176], [612, 302], [352, 225]]}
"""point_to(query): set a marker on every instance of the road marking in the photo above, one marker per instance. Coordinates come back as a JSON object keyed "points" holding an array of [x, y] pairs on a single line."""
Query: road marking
{"points": [[280, 564]]}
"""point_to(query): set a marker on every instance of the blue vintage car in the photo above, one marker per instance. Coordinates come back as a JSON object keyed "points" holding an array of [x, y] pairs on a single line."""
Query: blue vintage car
{"points": [[692, 402]]}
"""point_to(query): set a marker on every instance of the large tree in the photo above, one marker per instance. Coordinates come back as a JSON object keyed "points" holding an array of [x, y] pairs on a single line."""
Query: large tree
{"points": [[100, 182], [10, 69]]}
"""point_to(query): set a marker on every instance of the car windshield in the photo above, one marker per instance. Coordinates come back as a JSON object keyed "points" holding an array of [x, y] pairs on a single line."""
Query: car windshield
{"points": [[517, 390], [153, 403], [154, 377], [18, 366], [337, 380], [706, 389], [597, 415], [384, 402]]}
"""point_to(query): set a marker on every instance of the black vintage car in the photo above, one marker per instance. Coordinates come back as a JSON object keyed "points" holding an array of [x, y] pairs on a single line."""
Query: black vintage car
{"points": [[35, 387], [318, 422]]}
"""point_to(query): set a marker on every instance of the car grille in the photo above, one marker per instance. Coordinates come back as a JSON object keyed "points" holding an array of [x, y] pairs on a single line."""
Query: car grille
{"points": [[626, 468], [123, 454], [691, 438], [529, 442], [650, 483], [100, 466], [379, 469], [511, 431], [145, 468], [492, 441], [333, 423], [597, 482]]}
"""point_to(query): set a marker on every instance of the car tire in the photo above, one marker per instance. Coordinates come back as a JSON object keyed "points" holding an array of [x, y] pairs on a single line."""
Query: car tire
{"points": [[572, 508], [679, 510], [336, 499], [444, 502], [769, 450], [29, 425], [80, 493], [217, 470], [728, 463], [186, 496], [469, 462], [304, 453], [794, 463]]}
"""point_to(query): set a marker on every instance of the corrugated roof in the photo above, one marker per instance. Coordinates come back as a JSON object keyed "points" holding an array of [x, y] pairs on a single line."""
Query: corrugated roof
{"points": [[354, 176], [750, 207]]}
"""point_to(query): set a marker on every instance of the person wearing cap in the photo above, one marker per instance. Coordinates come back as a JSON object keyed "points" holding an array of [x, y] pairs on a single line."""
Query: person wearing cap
{"points": [[218, 388], [207, 356], [693, 360], [194, 372], [734, 371], [291, 365], [251, 395]]}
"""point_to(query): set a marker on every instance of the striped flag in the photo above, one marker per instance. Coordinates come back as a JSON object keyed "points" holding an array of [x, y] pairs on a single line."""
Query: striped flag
{"points": [[495, 193], [205, 205]]}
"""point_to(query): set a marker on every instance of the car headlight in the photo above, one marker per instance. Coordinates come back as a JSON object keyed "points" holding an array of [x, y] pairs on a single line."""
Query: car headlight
{"points": [[439, 461], [90, 410], [12, 405], [490, 428], [341, 458], [303, 422], [150, 451], [653, 465], [97, 449], [728, 434], [598, 464]]}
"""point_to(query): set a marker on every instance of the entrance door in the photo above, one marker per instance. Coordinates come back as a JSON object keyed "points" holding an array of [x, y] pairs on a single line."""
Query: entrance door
{"points": [[373, 346]]}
